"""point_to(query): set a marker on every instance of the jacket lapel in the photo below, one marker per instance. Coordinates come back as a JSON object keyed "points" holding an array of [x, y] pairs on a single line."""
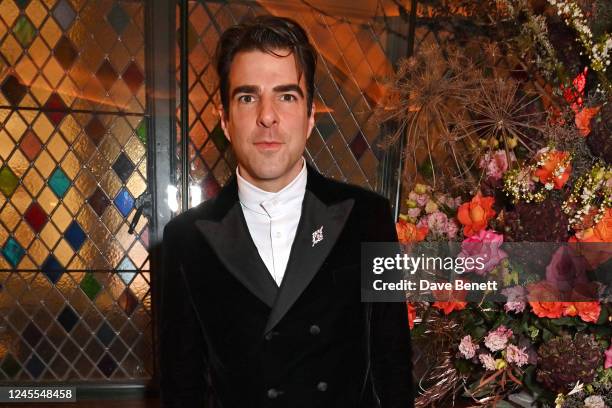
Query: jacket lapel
{"points": [[318, 230], [228, 235]]}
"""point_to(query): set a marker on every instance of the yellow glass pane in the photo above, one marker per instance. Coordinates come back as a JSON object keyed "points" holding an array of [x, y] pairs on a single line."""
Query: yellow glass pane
{"points": [[44, 164], [98, 165], [9, 11], [84, 148], [110, 149], [4, 234], [63, 252], [41, 90], [136, 184], [110, 184], [66, 285], [38, 252], [68, 90], [33, 182], [124, 238], [54, 73], [73, 200], [9, 216], [27, 70], [29, 102], [88, 219], [37, 13], [11, 49], [77, 263], [139, 286], [39, 52], [6, 145], [119, 57], [51, 32], [122, 130], [134, 149], [24, 234], [57, 146], [115, 286], [70, 128], [71, 165], [21, 199], [138, 254], [47, 200], [15, 126], [19, 163], [43, 128], [86, 183], [61, 217], [27, 264], [98, 233], [142, 167], [50, 235], [113, 252], [112, 219], [81, 75]]}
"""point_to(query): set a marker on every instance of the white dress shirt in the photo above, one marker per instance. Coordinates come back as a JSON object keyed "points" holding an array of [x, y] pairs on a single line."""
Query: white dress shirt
{"points": [[272, 219]]}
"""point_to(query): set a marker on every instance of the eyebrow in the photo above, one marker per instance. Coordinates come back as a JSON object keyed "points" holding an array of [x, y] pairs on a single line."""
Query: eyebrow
{"points": [[252, 89]]}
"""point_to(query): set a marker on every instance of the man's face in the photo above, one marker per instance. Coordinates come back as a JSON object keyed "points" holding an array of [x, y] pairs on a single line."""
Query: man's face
{"points": [[267, 122]]}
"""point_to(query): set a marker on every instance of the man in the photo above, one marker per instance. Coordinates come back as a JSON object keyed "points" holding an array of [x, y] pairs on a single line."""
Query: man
{"points": [[261, 293]]}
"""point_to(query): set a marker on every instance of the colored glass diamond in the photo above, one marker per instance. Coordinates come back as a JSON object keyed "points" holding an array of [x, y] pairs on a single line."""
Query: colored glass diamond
{"points": [[64, 14], [31, 334], [118, 18], [211, 187], [59, 182], [13, 90], [141, 132], [90, 286], [98, 201], [55, 108], [8, 181], [124, 202], [24, 31], [13, 252], [106, 75], [52, 269], [35, 367], [127, 270], [75, 236], [358, 145], [219, 139], [124, 167], [67, 318], [10, 366], [133, 77], [127, 301], [30, 145], [22, 4], [36, 217], [65, 53], [105, 334], [107, 365], [95, 130]]}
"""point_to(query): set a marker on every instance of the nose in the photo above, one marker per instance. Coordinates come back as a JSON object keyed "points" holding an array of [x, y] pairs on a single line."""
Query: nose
{"points": [[267, 115]]}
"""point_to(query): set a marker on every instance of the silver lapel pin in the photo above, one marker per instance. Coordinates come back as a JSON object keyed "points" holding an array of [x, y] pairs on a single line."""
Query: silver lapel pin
{"points": [[317, 236]]}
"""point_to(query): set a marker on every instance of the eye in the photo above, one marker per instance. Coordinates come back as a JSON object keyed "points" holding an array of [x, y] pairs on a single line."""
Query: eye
{"points": [[288, 98], [246, 99]]}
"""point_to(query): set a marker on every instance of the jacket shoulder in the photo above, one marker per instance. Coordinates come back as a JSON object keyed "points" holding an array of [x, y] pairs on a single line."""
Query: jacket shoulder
{"points": [[343, 190]]}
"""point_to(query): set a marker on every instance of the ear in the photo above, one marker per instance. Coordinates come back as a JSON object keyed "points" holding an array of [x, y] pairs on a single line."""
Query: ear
{"points": [[311, 121], [223, 117]]}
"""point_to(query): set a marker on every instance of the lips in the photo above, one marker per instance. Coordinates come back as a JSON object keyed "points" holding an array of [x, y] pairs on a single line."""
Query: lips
{"points": [[268, 144]]}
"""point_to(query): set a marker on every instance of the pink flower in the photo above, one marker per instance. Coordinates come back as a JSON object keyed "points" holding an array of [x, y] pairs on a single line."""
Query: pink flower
{"points": [[517, 297], [420, 199], [498, 339], [566, 269], [516, 355], [414, 212], [486, 246], [488, 362], [608, 354], [467, 347], [496, 164]]}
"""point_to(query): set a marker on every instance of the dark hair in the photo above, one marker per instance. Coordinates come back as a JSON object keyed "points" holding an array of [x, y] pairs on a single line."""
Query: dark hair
{"points": [[267, 34]]}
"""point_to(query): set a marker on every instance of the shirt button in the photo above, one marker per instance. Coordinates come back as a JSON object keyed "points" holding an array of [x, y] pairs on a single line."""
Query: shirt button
{"points": [[278, 234], [314, 330], [322, 386], [272, 393]]}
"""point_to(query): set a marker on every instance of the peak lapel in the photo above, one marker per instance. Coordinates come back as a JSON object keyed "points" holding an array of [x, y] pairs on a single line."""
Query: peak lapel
{"points": [[319, 228]]}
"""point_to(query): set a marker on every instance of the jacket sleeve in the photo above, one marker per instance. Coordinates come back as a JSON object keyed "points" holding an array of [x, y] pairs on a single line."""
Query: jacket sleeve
{"points": [[390, 334], [182, 358]]}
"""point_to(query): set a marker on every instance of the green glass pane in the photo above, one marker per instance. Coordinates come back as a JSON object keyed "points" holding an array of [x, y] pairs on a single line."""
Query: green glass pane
{"points": [[90, 286], [13, 252], [10, 366], [8, 181], [59, 182], [141, 132], [24, 31]]}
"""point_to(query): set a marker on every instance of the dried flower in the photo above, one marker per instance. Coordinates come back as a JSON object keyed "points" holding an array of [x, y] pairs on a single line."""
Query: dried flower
{"points": [[498, 339], [516, 355], [488, 362], [467, 347], [594, 401]]}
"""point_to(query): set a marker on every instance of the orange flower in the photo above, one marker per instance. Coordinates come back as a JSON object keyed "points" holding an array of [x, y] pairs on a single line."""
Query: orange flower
{"points": [[570, 309], [476, 214], [588, 311], [449, 300], [551, 310], [543, 298], [555, 170], [601, 235], [583, 120], [407, 232], [411, 314]]}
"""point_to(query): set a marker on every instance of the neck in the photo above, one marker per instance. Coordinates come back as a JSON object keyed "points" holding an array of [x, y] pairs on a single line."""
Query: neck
{"points": [[273, 185]]}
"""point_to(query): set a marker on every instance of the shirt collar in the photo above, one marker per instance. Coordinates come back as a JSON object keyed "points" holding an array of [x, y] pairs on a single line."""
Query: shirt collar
{"points": [[272, 203]]}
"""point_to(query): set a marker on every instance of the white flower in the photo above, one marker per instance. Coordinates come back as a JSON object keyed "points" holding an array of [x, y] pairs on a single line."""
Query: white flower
{"points": [[594, 401]]}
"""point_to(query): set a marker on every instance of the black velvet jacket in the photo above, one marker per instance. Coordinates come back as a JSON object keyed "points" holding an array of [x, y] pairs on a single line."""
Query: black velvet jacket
{"points": [[230, 337]]}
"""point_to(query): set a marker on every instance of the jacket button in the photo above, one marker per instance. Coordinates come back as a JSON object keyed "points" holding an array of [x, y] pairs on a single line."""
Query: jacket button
{"points": [[268, 336], [314, 330], [272, 393], [322, 386]]}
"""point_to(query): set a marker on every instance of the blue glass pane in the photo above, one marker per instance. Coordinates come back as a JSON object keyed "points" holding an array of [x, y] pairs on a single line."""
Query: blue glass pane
{"points": [[32, 335], [53, 269], [12, 251], [126, 270], [124, 202], [67, 318], [107, 365], [59, 182], [35, 367], [75, 235], [105, 334]]}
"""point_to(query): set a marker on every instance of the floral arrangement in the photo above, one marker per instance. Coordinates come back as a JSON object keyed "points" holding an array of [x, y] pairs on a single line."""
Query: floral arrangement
{"points": [[493, 158]]}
